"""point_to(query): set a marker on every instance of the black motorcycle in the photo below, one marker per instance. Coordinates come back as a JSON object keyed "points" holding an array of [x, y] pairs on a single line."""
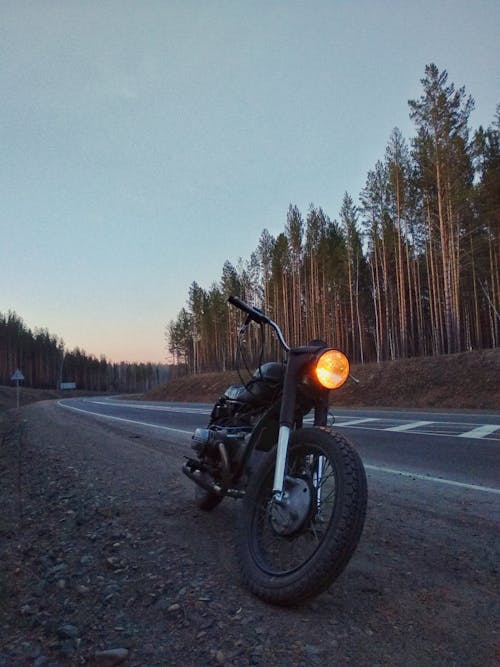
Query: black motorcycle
{"points": [[304, 502]]}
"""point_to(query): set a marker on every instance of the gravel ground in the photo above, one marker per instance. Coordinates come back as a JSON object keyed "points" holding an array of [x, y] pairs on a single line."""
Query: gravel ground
{"points": [[105, 560]]}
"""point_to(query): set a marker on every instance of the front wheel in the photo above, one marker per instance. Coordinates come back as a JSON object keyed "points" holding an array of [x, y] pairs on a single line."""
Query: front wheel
{"points": [[293, 550]]}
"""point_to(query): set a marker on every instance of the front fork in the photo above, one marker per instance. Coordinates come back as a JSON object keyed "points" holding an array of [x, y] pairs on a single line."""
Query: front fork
{"points": [[279, 469], [320, 419]]}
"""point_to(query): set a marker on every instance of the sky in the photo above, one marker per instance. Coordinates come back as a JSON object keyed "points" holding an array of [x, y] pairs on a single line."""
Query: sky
{"points": [[144, 143]]}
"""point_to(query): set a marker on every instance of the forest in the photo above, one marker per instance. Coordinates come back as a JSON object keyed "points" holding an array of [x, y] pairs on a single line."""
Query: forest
{"points": [[409, 269], [45, 363]]}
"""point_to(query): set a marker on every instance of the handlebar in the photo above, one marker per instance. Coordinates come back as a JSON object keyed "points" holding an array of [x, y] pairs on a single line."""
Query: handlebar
{"points": [[253, 313], [258, 316]]}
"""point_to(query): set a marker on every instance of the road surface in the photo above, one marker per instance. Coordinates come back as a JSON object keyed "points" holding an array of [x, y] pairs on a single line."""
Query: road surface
{"points": [[453, 448]]}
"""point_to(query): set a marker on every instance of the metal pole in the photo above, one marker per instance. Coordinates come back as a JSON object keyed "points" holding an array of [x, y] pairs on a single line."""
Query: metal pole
{"points": [[17, 393]]}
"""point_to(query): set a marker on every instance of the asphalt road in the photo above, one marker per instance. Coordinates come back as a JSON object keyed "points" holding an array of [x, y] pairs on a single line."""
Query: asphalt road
{"points": [[443, 448]]}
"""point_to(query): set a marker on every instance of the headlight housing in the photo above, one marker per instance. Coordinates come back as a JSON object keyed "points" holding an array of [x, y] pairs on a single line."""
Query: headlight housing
{"points": [[331, 369]]}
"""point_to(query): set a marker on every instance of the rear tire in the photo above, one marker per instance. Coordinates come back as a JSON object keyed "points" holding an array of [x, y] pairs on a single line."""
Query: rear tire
{"points": [[286, 565]]}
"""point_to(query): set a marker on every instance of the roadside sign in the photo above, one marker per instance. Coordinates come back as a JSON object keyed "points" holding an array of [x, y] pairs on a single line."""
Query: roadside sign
{"points": [[67, 385], [17, 377]]}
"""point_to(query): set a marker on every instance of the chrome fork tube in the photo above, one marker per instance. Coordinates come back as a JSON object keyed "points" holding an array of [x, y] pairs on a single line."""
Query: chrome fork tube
{"points": [[279, 470], [318, 476]]}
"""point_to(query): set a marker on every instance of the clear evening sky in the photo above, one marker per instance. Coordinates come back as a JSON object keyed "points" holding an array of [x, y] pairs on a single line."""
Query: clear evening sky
{"points": [[144, 143]]}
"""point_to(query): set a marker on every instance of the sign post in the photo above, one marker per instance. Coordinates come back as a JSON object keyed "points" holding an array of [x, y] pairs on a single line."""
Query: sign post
{"points": [[17, 377]]}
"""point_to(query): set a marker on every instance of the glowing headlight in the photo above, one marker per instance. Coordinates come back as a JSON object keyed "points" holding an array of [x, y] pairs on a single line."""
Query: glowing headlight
{"points": [[332, 369]]}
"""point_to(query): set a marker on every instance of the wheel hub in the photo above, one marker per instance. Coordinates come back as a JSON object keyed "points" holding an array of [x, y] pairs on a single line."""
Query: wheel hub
{"points": [[289, 514]]}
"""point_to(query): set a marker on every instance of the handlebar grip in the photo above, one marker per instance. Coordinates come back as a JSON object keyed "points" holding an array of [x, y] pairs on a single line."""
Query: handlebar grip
{"points": [[255, 314]]}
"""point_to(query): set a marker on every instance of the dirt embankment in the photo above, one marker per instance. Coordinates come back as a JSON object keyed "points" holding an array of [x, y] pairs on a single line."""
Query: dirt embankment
{"points": [[465, 380], [469, 380]]}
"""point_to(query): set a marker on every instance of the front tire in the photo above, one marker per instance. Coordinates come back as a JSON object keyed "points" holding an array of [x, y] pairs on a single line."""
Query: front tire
{"points": [[287, 559]]}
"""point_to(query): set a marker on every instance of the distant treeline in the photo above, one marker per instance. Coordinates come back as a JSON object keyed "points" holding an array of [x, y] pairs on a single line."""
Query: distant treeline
{"points": [[411, 269], [45, 364]]}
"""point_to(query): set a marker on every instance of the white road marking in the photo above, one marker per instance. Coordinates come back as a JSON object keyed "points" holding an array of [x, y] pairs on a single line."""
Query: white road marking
{"points": [[122, 419], [435, 431], [408, 427], [353, 422], [429, 478], [480, 431], [145, 406]]}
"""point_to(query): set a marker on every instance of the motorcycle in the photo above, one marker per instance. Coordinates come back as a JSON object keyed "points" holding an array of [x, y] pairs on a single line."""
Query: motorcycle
{"points": [[304, 501]]}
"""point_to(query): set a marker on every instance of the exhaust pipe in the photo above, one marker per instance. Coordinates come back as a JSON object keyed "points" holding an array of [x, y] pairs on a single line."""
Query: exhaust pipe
{"points": [[197, 476]]}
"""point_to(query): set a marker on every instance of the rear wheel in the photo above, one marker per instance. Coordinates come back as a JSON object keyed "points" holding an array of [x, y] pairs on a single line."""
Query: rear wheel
{"points": [[293, 550]]}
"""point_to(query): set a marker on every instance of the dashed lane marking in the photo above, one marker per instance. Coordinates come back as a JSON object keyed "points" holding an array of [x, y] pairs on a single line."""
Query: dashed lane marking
{"points": [[480, 431], [435, 428], [408, 427], [355, 422]]}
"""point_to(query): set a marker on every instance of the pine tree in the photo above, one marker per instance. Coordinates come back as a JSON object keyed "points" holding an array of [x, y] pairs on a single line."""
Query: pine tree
{"points": [[349, 220], [294, 231], [485, 248], [441, 150]]}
